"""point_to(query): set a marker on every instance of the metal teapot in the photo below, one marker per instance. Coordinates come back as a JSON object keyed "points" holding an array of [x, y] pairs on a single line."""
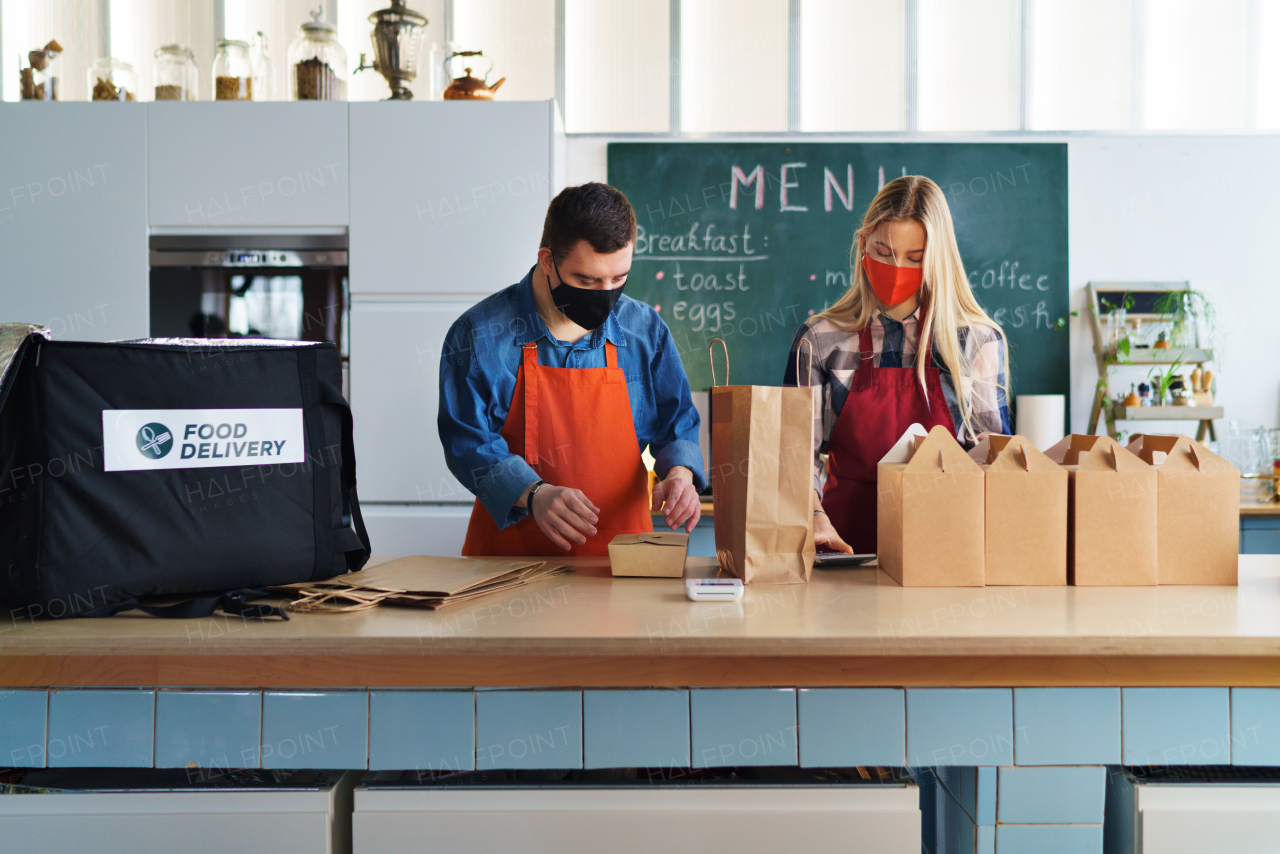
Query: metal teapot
{"points": [[470, 88]]}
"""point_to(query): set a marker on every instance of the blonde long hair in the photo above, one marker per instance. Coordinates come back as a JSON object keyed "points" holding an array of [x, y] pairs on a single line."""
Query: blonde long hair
{"points": [[946, 294]]}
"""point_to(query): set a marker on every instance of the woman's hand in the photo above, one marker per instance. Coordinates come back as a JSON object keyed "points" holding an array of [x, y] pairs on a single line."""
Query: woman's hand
{"points": [[824, 534]]}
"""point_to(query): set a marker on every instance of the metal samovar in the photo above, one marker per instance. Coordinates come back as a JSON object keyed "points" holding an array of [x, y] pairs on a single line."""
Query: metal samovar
{"points": [[397, 42]]}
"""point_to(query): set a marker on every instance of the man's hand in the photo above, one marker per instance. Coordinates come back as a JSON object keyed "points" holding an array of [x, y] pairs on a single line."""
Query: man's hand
{"points": [[676, 492], [565, 515]]}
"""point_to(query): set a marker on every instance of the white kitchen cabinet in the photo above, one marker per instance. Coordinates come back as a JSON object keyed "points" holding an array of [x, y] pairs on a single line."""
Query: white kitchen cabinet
{"points": [[395, 390], [73, 218], [449, 196], [218, 164], [416, 529], [1234, 812], [306, 818], [639, 820]]}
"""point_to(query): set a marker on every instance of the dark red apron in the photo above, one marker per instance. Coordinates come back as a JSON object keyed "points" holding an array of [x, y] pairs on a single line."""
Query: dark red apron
{"points": [[881, 405]]}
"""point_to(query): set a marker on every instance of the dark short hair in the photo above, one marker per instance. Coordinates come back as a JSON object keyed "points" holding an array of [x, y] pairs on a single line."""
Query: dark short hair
{"points": [[594, 212]]}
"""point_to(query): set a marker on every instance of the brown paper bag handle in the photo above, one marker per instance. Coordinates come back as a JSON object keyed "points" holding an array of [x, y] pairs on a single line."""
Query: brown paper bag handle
{"points": [[808, 374], [711, 359]]}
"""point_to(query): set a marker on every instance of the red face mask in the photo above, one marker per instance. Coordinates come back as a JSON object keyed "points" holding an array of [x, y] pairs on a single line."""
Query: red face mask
{"points": [[892, 284]]}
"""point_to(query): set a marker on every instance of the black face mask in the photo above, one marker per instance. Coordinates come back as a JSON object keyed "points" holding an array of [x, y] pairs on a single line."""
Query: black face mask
{"points": [[586, 307]]}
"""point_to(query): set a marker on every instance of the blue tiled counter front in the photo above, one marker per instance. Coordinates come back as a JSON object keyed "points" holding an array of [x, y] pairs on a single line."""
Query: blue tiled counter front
{"points": [[434, 730]]}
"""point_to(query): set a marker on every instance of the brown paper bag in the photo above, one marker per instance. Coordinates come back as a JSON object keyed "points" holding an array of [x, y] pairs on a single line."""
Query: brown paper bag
{"points": [[762, 480], [929, 512], [1111, 513], [1197, 510], [1026, 516]]}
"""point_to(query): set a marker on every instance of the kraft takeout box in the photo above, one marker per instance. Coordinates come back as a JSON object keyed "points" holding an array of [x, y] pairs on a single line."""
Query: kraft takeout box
{"points": [[1026, 512], [929, 512], [1198, 510], [1111, 512], [655, 555]]}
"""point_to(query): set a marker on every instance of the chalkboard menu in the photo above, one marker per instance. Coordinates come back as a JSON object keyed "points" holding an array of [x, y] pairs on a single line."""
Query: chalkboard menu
{"points": [[744, 241]]}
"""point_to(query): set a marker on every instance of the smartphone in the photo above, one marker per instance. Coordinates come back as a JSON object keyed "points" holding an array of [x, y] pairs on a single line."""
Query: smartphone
{"points": [[828, 558]]}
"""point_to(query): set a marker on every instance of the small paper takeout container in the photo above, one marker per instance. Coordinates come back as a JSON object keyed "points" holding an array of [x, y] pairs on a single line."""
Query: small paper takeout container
{"points": [[657, 555]]}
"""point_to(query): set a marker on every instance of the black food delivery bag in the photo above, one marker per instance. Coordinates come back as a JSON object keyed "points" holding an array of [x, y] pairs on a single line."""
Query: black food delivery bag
{"points": [[170, 467]]}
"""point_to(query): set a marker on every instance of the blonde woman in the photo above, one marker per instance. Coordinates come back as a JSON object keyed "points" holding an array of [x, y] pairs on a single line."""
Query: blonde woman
{"points": [[909, 286]]}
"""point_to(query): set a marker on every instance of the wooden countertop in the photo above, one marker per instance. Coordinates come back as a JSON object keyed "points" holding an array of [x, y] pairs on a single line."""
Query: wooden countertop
{"points": [[847, 627], [1268, 508]]}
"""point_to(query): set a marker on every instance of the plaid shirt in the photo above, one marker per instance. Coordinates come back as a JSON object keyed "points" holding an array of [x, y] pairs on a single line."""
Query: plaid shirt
{"points": [[836, 357]]}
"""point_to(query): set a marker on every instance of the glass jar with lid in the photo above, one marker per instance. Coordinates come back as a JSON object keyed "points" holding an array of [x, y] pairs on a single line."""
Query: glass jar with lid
{"points": [[175, 74], [264, 73], [232, 71], [111, 79], [39, 80], [317, 62]]}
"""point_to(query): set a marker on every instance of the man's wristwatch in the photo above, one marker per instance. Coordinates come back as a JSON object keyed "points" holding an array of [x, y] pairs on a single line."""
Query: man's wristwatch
{"points": [[528, 502]]}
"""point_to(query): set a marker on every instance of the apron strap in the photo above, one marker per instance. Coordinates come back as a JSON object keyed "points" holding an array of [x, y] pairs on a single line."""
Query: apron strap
{"points": [[610, 355], [529, 373], [865, 351]]}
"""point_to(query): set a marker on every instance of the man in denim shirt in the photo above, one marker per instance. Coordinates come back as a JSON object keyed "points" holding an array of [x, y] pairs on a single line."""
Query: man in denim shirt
{"points": [[551, 388]]}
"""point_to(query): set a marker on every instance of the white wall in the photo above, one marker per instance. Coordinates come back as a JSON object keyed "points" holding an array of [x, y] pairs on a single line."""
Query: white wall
{"points": [[1204, 209], [1197, 208]]}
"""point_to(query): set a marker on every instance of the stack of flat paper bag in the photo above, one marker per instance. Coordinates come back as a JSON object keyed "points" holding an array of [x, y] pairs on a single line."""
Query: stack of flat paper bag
{"points": [[419, 581]]}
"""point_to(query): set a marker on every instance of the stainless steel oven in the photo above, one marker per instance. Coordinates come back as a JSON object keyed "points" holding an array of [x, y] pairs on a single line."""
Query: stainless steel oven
{"points": [[250, 286]]}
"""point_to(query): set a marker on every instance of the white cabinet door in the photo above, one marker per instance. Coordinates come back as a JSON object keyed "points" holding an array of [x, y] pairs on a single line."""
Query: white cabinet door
{"points": [[396, 530], [448, 193], [73, 218], [395, 392], [227, 163]]}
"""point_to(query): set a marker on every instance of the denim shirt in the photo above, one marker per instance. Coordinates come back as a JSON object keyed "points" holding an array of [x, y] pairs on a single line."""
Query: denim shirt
{"points": [[478, 369]]}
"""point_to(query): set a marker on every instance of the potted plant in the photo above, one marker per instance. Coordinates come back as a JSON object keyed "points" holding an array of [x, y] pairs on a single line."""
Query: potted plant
{"points": [[1185, 308], [1161, 380]]}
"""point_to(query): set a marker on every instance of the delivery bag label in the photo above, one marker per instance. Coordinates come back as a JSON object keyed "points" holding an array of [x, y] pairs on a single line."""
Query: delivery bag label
{"points": [[146, 439]]}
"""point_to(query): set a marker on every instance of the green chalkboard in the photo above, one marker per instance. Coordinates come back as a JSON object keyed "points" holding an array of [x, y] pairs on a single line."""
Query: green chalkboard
{"points": [[744, 241]]}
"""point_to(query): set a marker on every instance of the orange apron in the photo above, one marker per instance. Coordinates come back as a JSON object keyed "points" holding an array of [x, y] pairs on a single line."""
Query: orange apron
{"points": [[574, 426]]}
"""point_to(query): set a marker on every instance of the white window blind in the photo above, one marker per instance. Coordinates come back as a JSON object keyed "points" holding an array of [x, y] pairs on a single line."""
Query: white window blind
{"points": [[968, 60], [1196, 64], [733, 65], [1079, 64], [1267, 34], [617, 64], [852, 65]]}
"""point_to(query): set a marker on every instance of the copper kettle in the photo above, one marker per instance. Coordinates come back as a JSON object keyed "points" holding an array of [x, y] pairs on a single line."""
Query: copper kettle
{"points": [[470, 88]]}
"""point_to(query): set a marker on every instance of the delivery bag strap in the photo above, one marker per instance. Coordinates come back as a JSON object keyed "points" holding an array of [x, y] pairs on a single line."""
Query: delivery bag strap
{"points": [[355, 543], [234, 602], [355, 546]]}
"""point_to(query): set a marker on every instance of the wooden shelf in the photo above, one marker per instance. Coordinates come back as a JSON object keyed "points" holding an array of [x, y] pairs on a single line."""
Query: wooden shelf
{"points": [[1152, 356], [1166, 413]]}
